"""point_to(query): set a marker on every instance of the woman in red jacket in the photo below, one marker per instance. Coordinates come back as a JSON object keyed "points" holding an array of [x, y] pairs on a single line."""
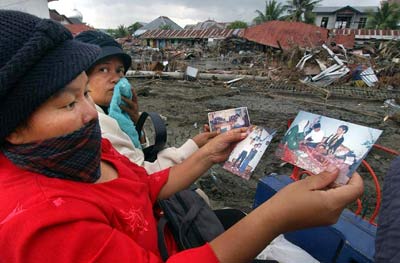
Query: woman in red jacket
{"points": [[68, 196]]}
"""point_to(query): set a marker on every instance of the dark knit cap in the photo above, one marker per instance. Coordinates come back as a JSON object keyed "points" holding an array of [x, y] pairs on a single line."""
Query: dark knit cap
{"points": [[37, 58], [109, 47]]}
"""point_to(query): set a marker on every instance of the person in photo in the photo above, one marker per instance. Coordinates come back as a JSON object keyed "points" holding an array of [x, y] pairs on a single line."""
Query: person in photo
{"points": [[333, 141], [315, 137], [239, 121], [253, 152], [239, 160], [295, 135]]}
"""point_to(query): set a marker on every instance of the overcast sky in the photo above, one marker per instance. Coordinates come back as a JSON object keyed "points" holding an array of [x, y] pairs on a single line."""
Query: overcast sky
{"points": [[110, 14]]}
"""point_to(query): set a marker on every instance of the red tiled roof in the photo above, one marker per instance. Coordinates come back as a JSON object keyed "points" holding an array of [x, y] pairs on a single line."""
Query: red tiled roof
{"points": [[346, 40], [75, 29], [286, 34], [191, 34]]}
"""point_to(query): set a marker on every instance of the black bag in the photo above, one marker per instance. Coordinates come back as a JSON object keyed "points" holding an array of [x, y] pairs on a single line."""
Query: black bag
{"points": [[190, 219], [160, 130]]}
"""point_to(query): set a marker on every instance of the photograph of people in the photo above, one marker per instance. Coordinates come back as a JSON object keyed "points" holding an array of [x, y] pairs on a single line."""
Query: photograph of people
{"points": [[247, 154], [329, 142], [226, 120]]}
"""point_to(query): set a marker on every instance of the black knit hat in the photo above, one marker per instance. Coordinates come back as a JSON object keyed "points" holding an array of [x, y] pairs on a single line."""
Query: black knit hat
{"points": [[109, 47], [37, 58]]}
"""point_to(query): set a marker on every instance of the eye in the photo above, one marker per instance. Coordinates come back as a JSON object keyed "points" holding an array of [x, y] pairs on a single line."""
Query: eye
{"points": [[71, 106], [86, 93], [105, 70], [121, 70]]}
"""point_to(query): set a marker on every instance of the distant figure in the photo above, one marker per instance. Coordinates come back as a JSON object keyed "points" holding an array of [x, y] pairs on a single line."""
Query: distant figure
{"points": [[315, 136]]}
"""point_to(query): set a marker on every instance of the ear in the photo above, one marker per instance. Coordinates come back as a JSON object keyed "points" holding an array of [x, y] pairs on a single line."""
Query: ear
{"points": [[15, 137]]}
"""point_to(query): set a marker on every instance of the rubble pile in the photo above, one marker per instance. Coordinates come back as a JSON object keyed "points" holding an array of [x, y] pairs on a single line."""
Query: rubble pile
{"points": [[374, 64]]}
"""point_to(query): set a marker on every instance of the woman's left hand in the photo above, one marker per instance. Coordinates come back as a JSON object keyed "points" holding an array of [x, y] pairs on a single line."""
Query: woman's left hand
{"points": [[204, 137], [132, 106], [219, 148]]}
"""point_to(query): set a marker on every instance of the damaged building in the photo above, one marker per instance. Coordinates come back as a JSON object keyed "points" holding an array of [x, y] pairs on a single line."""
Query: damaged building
{"points": [[173, 38]]}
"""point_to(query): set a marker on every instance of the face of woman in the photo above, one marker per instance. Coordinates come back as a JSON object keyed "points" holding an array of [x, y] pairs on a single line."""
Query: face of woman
{"points": [[102, 79], [65, 112]]}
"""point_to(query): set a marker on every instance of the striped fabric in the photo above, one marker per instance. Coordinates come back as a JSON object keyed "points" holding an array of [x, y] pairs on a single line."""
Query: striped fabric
{"points": [[75, 156]]}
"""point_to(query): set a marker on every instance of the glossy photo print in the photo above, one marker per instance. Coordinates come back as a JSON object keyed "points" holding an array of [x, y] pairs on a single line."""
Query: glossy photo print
{"points": [[225, 120], [314, 142], [247, 153]]}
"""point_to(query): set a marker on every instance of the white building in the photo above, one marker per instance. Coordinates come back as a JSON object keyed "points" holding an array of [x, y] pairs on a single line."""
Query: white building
{"points": [[354, 17], [35, 7]]}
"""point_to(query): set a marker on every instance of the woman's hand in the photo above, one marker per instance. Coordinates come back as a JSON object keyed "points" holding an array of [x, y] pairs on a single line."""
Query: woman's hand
{"points": [[218, 149], [309, 203], [132, 106], [204, 137], [305, 203]]}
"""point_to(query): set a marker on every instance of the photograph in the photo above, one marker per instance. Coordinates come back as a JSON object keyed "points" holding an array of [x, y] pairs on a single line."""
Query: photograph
{"points": [[314, 142], [247, 153], [225, 120]]}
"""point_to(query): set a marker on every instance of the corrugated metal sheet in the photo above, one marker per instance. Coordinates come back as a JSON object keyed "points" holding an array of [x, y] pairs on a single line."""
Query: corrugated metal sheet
{"points": [[159, 22], [287, 34], [386, 34], [191, 34]]}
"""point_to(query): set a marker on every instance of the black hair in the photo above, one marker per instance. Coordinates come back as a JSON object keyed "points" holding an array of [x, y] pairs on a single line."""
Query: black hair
{"points": [[345, 128]]}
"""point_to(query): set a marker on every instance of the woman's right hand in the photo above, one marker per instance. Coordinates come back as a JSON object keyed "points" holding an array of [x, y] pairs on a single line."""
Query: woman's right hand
{"points": [[303, 204], [132, 106], [310, 202]]}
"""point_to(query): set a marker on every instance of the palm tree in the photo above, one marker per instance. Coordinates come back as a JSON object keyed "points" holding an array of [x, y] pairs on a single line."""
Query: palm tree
{"points": [[301, 10], [387, 17], [121, 31], [135, 26], [273, 11]]}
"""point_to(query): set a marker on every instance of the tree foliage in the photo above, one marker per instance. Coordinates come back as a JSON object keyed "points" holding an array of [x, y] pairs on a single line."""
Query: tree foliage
{"points": [[301, 10], [237, 24], [273, 11], [121, 31], [135, 26], [111, 32], [386, 17]]}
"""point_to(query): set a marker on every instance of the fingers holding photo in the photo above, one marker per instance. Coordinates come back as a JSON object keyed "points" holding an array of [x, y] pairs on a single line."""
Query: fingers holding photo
{"points": [[202, 138]]}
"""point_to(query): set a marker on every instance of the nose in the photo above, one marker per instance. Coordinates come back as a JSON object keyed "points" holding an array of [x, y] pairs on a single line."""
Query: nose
{"points": [[116, 77], [89, 111]]}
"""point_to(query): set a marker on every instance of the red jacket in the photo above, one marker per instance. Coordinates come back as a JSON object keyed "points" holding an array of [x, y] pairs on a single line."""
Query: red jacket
{"points": [[53, 220]]}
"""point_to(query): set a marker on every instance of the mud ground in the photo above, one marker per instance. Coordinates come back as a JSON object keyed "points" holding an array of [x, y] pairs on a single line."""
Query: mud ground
{"points": [[185, 105]]}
